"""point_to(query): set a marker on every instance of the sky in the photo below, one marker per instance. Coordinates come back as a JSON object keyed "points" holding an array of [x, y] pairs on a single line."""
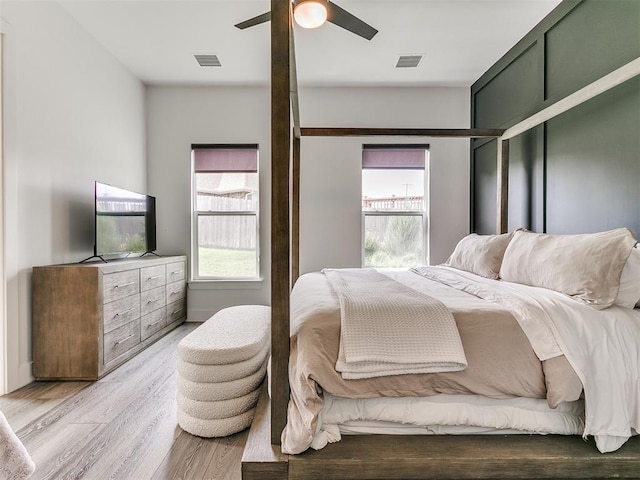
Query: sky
{"points": [[385, 183]]}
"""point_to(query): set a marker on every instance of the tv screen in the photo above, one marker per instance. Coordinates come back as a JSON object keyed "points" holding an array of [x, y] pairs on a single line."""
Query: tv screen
{"points": [[125, 221]]}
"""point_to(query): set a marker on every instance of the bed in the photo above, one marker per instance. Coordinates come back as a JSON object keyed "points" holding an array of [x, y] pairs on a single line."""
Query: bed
{"points": [[401, 456], [551, 352]]}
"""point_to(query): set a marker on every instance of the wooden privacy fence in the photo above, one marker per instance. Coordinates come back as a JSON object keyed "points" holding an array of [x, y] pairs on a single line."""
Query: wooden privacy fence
{"points": [[375, 210], [414, 203], [227, 221]]}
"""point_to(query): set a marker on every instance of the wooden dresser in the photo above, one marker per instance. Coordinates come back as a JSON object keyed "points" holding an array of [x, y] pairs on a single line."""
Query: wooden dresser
{"points": [[90, 318]]}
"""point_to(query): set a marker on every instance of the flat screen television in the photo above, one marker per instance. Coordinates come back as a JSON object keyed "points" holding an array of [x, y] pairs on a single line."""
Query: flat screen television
{"points": [[125, 221]]}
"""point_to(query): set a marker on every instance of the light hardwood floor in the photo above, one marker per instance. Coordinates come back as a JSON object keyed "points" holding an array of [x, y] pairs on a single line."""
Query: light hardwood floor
{"points": [[122, 427]]}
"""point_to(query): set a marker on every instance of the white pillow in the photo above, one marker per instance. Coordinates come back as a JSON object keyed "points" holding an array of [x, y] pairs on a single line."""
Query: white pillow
{"points": [[629, 293]]}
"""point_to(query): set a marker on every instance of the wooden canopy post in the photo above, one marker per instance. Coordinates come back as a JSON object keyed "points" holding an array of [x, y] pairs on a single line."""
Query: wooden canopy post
{"points": [[295, 212], [280, 226], [502, 224], [401, 132], [295, 167]]}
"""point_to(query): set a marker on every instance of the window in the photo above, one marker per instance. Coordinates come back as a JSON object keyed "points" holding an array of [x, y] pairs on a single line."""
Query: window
{"points": [[225, 212], [394, 218]]}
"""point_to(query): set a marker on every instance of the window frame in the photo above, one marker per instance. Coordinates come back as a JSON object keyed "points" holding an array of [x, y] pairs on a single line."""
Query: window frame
{"points": [[424, 212], [196, 215]]}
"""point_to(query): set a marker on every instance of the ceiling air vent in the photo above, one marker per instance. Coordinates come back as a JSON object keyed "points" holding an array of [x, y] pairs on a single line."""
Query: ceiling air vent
{"points": [[208, 60], [408, 61]]}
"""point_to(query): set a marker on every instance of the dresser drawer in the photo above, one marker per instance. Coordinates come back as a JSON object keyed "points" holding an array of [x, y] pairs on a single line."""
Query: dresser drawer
{"points": [[152, 277], [121, 340], [153, 322], [176, 311], [176, 291], [116, 314], [176, 271], [120, 285], [152, 300]]}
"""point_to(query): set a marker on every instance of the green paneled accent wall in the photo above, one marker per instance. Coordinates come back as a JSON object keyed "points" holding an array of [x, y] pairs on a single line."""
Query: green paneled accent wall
{"points": [[525, 180], [579, 172], [594, 39], [597, 186], [514, 91], [484, 181]]}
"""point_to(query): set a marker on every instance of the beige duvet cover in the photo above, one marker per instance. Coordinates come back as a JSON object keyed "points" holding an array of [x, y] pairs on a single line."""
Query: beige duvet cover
{"points": [[501, 362]]}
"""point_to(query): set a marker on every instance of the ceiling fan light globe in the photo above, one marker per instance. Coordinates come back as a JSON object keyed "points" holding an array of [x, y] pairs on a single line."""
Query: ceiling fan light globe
{"points": [[310, 14]]}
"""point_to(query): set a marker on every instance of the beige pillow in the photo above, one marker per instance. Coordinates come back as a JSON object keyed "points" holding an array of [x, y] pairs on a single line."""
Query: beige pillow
{"points": [[586, 267], [480, 254]]}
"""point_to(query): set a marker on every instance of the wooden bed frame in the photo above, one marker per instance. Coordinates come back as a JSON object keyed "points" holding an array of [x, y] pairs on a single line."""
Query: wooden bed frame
{"points": [[383, 456]]}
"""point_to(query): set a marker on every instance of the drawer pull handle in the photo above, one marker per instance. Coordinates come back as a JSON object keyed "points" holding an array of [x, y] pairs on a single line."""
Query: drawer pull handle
{"points": [[119, 314], [154, 323], [154, 277], [124, 285], [151, 301], [123, 340], [176, 272], [176, 312]]}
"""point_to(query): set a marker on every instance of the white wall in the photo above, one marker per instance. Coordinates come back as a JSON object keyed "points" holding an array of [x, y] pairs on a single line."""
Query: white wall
{"points": [[178, 117], [72, 115], [330, 173], [330, 225]]}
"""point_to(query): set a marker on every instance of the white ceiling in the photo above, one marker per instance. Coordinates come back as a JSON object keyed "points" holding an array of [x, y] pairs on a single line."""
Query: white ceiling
{"points": [[460, 40]]}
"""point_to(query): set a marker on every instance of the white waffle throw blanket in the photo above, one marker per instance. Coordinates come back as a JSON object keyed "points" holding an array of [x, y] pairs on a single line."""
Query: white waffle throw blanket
{"points": [[388, 328]]}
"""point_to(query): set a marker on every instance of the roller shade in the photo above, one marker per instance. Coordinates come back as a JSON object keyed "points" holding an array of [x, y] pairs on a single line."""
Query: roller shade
{"points": [[404, 157], [225, 159]]}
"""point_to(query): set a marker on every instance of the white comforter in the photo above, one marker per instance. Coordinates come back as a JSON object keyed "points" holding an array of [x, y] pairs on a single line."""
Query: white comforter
{"points": [[446, 414], [603, 347]]}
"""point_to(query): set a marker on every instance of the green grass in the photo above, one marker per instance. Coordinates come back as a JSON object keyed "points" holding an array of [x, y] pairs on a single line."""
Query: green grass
{"points": [[227, 262]]}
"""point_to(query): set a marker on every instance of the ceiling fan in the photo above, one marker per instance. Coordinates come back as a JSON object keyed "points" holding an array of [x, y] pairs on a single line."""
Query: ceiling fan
{"points": [[313, 13]]}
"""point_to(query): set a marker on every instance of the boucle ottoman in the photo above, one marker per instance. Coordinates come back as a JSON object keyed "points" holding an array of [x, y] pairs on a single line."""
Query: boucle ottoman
{"points": [[221, 366], [232, 335]]}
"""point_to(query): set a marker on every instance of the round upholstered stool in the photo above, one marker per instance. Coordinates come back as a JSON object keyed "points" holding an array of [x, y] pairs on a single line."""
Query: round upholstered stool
{"points": [[221, 366]]}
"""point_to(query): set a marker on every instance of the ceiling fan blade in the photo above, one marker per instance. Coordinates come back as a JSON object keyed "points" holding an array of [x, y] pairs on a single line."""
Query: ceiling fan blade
{"points": [[265, 17], [339, 16]]}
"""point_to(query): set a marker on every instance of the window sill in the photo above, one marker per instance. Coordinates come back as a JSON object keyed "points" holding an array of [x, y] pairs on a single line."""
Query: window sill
{"points": [[243, 284]]}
